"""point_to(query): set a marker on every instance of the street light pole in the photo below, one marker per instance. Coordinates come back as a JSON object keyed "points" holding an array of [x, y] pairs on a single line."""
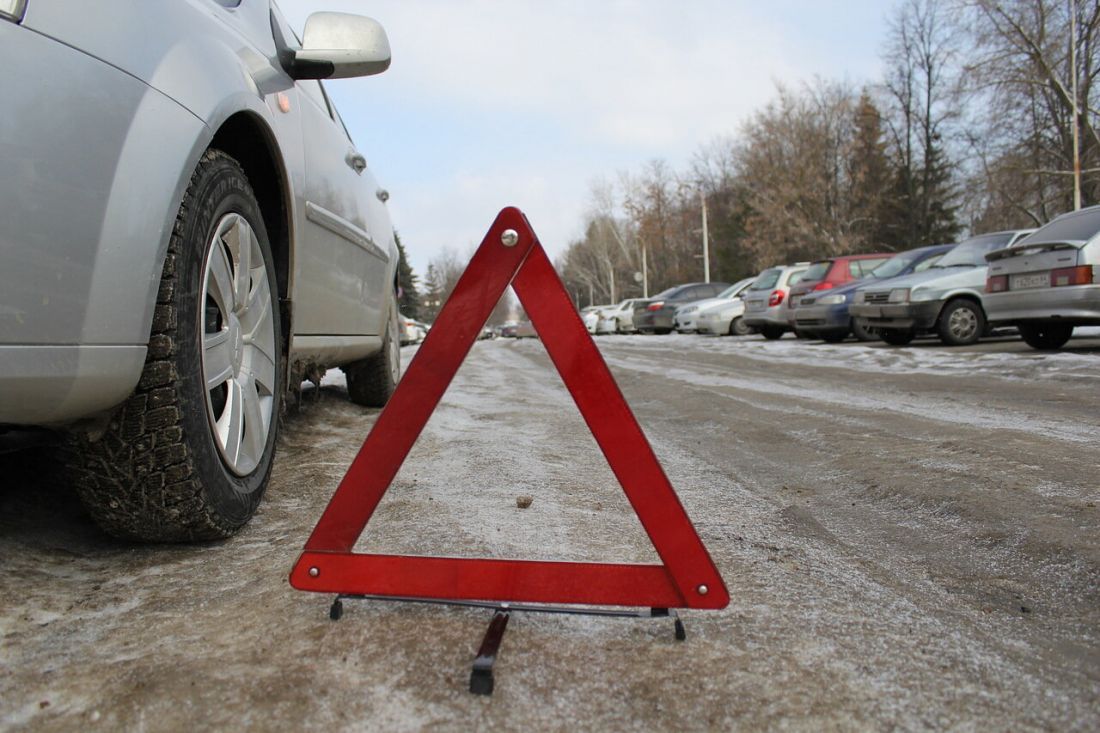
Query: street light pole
{"points": [[645, 274], [1076, 122], [706, 239]]}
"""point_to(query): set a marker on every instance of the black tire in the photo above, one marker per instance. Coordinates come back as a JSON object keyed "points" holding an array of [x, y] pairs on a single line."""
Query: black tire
{"points": [[864, 333], [738, 327], [371, 381], [961, 323], [896, 337], [1046, 336], [771, 333], [157, 474]]}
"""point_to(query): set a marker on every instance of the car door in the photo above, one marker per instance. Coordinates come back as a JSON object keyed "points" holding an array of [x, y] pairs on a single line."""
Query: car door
{"points": [[337, 251]]}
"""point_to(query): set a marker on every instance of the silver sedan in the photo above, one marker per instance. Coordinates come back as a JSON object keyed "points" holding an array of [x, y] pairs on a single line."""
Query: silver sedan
{"points": [[1048, 283]]}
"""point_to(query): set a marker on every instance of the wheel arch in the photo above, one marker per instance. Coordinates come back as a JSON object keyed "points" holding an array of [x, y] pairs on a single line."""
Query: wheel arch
{"points": [[961, 295], [248, 139]]}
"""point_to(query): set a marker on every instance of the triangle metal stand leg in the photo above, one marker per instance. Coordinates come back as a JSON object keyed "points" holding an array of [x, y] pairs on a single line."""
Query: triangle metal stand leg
{"points": [[482, 681]]}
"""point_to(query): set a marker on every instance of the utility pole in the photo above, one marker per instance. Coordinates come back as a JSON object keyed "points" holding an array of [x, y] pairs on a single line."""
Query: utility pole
{"points": [[706, 239], [1076, 121], [645, 274], [611, 273]]}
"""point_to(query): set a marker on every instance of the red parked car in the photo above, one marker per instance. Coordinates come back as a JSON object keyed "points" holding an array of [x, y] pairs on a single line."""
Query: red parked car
{"points": [[832, 273]]}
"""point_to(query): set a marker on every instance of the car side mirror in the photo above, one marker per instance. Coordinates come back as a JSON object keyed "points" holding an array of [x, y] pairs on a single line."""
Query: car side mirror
{"points": [[341, 45]]}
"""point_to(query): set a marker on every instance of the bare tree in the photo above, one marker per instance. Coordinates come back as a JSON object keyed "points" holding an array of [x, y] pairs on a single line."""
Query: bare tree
{"points": [[1036, 107]]}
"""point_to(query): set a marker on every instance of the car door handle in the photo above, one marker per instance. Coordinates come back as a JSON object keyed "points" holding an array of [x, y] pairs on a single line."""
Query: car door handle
{"points": [[356, 161]]}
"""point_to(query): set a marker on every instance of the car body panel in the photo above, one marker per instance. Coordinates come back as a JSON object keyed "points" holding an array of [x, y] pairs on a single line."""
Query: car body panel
{"points": [[87, 227]]}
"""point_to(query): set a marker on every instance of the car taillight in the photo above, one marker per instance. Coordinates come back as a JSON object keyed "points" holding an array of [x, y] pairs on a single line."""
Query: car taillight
{"points": [[655, 306], [775, 298], [996, 284], [1080, 275], [823, 285]]}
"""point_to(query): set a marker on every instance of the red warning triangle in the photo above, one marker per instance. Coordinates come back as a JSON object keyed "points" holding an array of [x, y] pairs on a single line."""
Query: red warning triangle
{"points": [[511, 254]]}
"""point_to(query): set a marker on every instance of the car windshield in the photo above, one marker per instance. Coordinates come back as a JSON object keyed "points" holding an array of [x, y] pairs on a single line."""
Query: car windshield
{"points": [[1081, 226], [729, 292], [895, 265], [766, 280], [664, 294], [817, 271], [971, 253]]}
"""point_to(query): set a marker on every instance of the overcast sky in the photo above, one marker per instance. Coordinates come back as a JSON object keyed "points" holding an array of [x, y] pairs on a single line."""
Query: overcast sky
{"points": [[493, 103]]}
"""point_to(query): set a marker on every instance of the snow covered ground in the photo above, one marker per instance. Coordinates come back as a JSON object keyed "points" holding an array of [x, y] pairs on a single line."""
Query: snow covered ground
{"points": [[909, 538]]}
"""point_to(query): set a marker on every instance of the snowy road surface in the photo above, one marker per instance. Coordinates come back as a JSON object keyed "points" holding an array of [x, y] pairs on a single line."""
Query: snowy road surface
{"points": [[909, 537]]}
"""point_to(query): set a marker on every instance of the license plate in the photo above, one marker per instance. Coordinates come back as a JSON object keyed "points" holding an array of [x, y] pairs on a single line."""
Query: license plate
{"points": [[1030, 280], [806, 301]]}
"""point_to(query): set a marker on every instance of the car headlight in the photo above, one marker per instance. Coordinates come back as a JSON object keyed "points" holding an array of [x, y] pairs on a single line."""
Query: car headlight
{"points": [[924, 295], [836, 299], [13, 9], [860, 296], [899, 295]]}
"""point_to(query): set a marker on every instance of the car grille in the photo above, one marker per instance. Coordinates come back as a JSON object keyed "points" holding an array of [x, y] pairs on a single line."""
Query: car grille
{"points": [[882, 296]]}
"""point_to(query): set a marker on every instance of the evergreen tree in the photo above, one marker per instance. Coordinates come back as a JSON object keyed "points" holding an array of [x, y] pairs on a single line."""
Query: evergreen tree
{"points": [[870, 176], [409, 298]]}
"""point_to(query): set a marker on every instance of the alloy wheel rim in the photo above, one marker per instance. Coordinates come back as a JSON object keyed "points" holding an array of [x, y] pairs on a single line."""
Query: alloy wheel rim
{"points": [[963, 323], [238, 344]]}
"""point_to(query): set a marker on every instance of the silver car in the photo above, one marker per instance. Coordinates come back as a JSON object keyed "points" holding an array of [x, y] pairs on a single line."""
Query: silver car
{"points": [[689, 318], [188, 231], [945, 299], [1049, 282], [766, 299]]}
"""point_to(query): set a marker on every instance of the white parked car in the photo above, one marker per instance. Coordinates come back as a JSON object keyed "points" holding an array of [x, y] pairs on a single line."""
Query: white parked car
{"points": [[188, 231], [591, 316], [687, 316], [617, 318], [725, 316]]}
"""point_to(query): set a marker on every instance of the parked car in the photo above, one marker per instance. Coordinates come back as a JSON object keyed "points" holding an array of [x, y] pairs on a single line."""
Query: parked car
{"points": [[726, 316], [825, 315], [945, 299], [618, 318], [1048, 283], [830, 273], [686, 319], [526, 330], [508, 329], [655, 314], [766, 299], [411, 330], [174, 177], [591, 316]]}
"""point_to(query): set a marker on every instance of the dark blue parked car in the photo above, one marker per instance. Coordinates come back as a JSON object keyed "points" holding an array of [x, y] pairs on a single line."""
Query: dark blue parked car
{"points": [[824, 314]]}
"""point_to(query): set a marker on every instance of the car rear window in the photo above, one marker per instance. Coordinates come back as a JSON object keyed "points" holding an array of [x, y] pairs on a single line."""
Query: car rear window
{"points": [[1074, 227], [817, 271], [766, 280]]}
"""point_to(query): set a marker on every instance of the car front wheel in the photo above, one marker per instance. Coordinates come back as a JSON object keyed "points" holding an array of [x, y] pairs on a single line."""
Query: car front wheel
{"points": [[961, 323], [1046, 337], [188, 455], [738, 327]]}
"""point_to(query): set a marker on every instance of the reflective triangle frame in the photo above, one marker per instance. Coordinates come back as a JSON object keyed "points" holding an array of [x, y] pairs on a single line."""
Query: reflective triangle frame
{"points": [[511, 254]]}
